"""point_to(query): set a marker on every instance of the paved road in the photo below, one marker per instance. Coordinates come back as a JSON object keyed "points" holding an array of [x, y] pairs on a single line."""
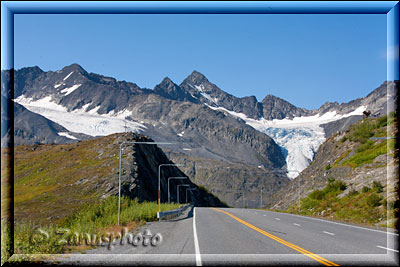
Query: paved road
{"points": [[207, 236]]}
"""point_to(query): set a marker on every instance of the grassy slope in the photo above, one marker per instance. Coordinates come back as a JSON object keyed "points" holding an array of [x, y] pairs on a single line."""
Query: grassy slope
{"points": [[367, 150], [367, 207], [370, 205], [99, 219], [61, 186], [51, 181]]}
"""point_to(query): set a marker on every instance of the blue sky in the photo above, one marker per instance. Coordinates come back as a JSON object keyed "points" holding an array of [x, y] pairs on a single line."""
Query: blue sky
{"points": [[304, 59]]}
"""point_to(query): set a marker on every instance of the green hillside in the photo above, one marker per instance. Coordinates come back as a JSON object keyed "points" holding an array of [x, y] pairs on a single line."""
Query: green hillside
{"points": [[354, 177], [74, 187]]}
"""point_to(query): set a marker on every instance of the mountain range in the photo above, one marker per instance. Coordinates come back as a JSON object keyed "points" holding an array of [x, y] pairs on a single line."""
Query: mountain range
{"points": [[203, 121]]}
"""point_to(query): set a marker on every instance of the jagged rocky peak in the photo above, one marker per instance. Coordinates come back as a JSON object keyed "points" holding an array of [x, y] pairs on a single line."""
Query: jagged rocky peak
{"points": [[274, 100], [168, 89], [383, 88], [74, 67], [31, 70], [378, 102], [251, 98], [24, 77], [166, 84], [269, 98], [196, 83], [206, 92], [69, 75], [196, 78], [329, 105], [277, 108]]}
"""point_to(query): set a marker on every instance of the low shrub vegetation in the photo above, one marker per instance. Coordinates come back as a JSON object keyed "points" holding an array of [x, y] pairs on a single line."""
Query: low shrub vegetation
{"points": [[365, 207], [368, 152], [328, 167], [93, 220], [377, 187], [367, 149], [369, 127]]}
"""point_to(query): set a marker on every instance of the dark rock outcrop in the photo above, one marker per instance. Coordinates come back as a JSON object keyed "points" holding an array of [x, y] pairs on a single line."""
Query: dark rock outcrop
{"points": [[277, 108], [142, 169]]}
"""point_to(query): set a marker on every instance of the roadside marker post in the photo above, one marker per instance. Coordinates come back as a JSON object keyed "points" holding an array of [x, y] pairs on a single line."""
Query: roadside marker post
{"points": [[177, 189], [159, 182], [172, 178]]}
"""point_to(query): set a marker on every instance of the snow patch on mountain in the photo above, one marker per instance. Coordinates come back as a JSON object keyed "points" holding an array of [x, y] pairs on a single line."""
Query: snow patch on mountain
{"points": [[80, 120], [204, 94], [299, 137], [214, 100], [93, 110], [69, 90], [67, 135], [66, 77], [199, 87]]}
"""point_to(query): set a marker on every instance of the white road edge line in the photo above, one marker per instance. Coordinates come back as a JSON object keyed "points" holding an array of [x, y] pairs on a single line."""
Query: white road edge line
{"points": [[388, 249], [296, 224], [277, 219], [340, 224], [196, 241], [328, 233]]}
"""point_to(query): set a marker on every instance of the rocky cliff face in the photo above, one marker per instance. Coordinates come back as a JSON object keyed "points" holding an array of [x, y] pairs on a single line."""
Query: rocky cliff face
{"points": [[277, 108], [380, 101], [253, 190], [206, 92], [140, 179], [168, 89], [206, 132]]}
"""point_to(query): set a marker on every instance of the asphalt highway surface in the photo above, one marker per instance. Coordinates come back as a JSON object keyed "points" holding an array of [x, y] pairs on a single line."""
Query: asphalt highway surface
{"points": [[230, 236]]}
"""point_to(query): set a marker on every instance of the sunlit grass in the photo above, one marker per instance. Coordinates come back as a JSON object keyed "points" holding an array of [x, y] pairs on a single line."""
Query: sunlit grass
{"points": [[367, 149], [93, 219], [366, 207]]}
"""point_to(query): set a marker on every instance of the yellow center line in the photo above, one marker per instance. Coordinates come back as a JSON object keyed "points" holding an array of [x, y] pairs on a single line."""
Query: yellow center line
{"points": [[286, 243]]}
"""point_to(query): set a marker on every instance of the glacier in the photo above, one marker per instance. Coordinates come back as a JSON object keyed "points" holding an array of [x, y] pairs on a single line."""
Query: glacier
{"points": [[299, 138], [81, 120]]}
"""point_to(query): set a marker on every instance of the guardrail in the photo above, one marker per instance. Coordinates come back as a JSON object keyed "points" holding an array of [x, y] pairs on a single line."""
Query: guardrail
{"points": [[172, 213]]}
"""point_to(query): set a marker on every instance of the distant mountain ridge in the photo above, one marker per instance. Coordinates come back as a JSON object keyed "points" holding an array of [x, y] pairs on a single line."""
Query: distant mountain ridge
{"points": [[196, 88], [74, 90], [203, 120]]}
